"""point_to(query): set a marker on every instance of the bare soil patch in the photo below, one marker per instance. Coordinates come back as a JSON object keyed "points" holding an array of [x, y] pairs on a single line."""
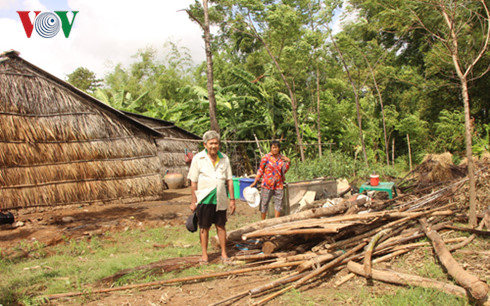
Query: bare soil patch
{"points": [[51, 226]]}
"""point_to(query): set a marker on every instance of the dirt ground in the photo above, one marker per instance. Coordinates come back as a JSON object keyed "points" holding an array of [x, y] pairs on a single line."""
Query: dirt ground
{"points": [[50, 225], [53, 226]]}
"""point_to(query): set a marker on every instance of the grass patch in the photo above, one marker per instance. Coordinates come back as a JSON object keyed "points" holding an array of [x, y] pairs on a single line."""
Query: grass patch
{"points": [[76, 264], [297, 298], [415, 296]]}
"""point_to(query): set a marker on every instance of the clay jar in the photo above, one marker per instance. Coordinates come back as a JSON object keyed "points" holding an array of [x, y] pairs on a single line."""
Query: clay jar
{"points": [[174, 180]]}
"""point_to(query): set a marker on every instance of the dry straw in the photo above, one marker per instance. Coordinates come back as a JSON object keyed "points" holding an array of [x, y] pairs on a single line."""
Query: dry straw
{"points": [[439, 168], [64, 193], [59, 146]]}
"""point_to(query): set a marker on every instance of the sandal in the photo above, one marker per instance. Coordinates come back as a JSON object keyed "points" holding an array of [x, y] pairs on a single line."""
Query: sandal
{"points": [[203, 262], [226, 261]]}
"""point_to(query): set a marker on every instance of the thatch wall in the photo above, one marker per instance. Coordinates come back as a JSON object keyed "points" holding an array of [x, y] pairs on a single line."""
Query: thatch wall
{"points": [[59, 146], [171, 155], [171, 145]]}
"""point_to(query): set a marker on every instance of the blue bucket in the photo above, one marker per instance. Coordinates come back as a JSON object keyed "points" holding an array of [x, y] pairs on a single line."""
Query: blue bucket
{"points": [[244, 182]]}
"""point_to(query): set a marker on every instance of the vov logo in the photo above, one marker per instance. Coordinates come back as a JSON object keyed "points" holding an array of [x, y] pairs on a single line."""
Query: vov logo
{"points": [[47, 24]]}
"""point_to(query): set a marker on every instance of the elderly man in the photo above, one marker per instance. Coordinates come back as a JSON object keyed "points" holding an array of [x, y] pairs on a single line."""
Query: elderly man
{"points": [[210, 176]]}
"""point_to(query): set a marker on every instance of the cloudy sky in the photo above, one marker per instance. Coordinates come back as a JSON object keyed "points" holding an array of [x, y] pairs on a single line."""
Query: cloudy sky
{"points": [[104, 32]]}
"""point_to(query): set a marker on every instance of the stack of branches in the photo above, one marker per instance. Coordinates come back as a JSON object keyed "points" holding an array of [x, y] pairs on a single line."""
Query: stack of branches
{"points": [[313, 244], [324, 245]]}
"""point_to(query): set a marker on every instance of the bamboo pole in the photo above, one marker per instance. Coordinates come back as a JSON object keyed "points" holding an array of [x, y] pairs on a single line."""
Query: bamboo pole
{"points": [[313, 274], [177, 280]]}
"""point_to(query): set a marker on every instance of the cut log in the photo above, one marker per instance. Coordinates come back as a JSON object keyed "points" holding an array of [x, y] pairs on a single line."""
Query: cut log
{"points": [[237, 234], [377, 260], [476, 287], [398, 278], [270, 246], [327, 229]]}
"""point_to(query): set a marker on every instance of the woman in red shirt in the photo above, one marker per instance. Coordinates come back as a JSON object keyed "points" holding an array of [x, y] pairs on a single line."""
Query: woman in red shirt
{"points": [[273, 167]]}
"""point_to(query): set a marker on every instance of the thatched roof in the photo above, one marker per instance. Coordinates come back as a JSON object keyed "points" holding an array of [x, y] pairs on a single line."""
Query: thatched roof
{"points": [[59, 145], [14, 56], [166, 128]]}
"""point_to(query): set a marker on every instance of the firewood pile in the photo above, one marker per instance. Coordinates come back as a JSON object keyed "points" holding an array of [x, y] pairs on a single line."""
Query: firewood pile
{"points": [[355, 235]]}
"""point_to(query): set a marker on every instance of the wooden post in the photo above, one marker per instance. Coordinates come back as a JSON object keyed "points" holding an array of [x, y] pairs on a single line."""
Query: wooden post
{"points": [[258, 145], [409, 152], [393, 152]]}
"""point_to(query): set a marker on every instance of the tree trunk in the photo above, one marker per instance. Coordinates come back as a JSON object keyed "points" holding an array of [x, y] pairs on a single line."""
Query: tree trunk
{"points": [[393, 152], [290, 91], [476, 287], [318, 124], [293, 102], [409, 153], [452, 45], [358, 108], [406, 279], [382, 109], [469, 152], [384, 127], [209, 70]]}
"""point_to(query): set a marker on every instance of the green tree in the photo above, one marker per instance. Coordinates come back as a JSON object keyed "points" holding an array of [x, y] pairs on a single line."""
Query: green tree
{"points": [[278, 30], [460, 32], [449, 131], [84, 79], [151, 82]]}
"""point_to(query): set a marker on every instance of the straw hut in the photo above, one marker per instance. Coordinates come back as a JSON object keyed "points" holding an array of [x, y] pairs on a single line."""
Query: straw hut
{"points": [[60, 146], [172, 145]]}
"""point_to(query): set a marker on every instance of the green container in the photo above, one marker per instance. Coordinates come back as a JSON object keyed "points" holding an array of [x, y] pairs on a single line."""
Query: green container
{"points": [[236, 187]]}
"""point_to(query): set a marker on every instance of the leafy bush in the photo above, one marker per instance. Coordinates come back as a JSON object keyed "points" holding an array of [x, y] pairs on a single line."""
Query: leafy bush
{"points": [[449, 131], [338, 164]]}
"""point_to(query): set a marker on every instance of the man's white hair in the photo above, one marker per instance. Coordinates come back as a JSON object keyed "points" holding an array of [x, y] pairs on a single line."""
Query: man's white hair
{"points": [[212, 134]]}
